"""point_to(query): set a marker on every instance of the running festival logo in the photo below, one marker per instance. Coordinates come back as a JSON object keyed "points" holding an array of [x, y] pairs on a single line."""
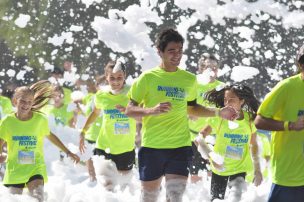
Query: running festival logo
{"points": [[175, 93], [115, 114], [25, 140]]}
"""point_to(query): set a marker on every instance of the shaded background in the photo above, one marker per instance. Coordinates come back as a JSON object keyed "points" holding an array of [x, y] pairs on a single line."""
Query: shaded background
{"points": [[25, 52]]}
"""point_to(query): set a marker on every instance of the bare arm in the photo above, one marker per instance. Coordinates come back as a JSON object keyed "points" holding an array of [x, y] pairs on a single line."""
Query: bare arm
{"points": [[135, 111], [56, 141], [2, 155], [92, 117], [200, 111], [254, 150], [273, 125]]}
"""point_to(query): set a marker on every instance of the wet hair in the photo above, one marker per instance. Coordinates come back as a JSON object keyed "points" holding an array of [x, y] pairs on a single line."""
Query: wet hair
{"points": [[110, 66], [41, 90], [251, 104], [166, 36]]}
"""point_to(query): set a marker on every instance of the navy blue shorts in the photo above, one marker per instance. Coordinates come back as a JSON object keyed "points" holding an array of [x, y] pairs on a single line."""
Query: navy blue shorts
{"points": [[155, 163], [280, 193]]}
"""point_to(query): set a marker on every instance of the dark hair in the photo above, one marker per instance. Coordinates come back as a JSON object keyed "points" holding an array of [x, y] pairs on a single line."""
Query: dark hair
{"points": [[251, 104], [166, 36], [58, 70], [301, 60], [41, 90]]}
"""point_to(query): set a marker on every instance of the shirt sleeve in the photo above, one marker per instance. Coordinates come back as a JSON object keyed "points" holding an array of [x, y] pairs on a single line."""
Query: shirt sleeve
{"points": [[97, 100], [3, 130], [138, 89], [193, 91], [273, 101]]}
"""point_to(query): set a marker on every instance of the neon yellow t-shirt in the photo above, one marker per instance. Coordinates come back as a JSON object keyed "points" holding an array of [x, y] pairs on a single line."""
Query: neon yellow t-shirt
{"points": [[6, 106], [25, 147], [93, 131], [62, 114], [171, 129], [198, 124], [67, 95], [286, 103], [233, 143], [118, 131]]}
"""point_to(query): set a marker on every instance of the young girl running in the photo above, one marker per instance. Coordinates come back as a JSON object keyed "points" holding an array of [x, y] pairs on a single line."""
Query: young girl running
{"points": [[234, 140], [92, 133], [116, 139], [24, 132]]}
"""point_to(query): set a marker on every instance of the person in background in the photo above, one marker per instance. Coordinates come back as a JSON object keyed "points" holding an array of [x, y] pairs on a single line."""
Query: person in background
{"points": [[208, 66]]}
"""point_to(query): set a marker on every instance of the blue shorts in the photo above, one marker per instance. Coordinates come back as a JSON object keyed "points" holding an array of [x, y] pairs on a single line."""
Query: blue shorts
{"points": [[280, 193], [155, 163]]}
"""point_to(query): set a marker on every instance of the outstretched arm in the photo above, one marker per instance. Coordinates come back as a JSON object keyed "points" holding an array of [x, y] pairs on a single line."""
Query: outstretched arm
{"points": [[92, 117], [197, 110], [55, 140]]}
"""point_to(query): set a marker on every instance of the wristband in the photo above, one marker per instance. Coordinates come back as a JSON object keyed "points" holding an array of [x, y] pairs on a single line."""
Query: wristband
{"points": [[286, 124]]}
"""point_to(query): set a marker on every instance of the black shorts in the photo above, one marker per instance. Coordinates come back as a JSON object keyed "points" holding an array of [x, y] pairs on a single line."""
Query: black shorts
{"points": [[219, 184], [124, 161], [22, 185], [91, 141], [198, 162]]}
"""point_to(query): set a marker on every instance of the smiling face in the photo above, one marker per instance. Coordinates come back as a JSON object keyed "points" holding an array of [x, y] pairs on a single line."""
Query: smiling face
{"points": [[24, 103], [172, 54], [232, 100], [58, 99], [116, 80]]}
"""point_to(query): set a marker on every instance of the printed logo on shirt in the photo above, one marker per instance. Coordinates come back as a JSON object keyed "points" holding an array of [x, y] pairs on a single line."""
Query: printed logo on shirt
{"points": [[237, 138], [26, 140], [234, 152], [115, 114], [301, 113], [175, 93], [26, 157], [122, 128]]}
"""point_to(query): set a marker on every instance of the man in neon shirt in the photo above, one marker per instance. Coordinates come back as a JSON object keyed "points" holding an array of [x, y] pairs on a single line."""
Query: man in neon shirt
{"points": [[166, 93], [282, 112]]}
